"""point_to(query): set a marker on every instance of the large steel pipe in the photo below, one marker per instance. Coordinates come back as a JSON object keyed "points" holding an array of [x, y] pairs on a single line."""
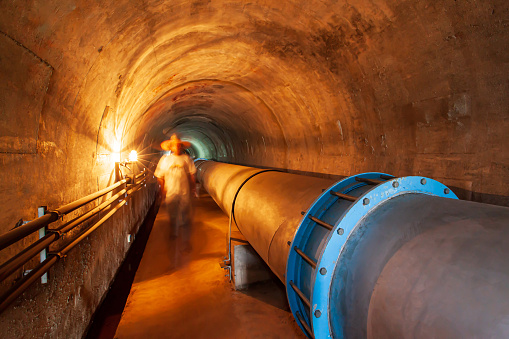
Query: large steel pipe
{"points": [[374, 256], [267, 208]]}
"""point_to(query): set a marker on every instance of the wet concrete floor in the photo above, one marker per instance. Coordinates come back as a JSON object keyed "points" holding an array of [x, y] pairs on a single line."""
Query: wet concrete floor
{"points": [[180, 291]]}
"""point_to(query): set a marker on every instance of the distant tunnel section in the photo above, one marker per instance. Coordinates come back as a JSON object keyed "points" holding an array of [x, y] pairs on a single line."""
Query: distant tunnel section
{"points": [[221, 120]]}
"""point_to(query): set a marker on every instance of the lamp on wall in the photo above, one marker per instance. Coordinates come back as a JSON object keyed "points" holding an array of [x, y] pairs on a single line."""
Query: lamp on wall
{"points": [[133, 156], [115, 155], [129, 163]]}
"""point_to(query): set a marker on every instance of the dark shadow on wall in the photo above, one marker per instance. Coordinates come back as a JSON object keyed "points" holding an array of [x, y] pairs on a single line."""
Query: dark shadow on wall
{"points": [[335, 177], [107, 316], [485, 198], [462, 193]]}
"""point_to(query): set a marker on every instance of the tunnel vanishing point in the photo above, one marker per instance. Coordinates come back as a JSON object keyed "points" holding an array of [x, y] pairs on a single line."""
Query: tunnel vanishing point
{"points": [[325, 89]]}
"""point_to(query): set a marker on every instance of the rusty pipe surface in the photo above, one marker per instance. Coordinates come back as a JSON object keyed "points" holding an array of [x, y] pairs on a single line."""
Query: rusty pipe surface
{"points": [[404, 258]]}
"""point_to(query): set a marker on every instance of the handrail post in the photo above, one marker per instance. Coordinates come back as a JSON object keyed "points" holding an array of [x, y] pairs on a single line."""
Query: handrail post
{"points": [[126, 190], [133, 171], [41, 210], [117, 172]]}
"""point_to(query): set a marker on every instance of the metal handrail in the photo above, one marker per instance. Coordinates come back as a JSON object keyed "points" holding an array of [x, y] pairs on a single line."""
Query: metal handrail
{"points": [[141, 174], [25, 255], [21, 232], [17, 261]]}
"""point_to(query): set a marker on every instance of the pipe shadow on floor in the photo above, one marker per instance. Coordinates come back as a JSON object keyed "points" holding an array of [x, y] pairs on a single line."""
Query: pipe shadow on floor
{"points": [[271, 292]]}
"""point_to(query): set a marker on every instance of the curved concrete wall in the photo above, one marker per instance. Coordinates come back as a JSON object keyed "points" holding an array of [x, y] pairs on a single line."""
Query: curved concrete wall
{"points": [[330, 87]]}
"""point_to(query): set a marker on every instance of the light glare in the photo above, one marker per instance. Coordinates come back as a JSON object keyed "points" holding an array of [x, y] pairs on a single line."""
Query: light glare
{"points": [[115, 157], [133, 156], [116, 147]]}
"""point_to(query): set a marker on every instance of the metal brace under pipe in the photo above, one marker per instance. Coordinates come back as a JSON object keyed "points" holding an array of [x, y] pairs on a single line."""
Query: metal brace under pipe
{"points": [[404, 258]]}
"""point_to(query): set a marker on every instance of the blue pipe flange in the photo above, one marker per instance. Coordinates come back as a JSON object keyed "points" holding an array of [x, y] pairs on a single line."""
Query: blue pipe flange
{"points": [[323, 232]]}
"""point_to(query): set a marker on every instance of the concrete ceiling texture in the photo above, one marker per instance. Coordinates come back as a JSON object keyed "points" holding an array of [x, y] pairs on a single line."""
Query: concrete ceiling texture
{"points": [[329, 87]]}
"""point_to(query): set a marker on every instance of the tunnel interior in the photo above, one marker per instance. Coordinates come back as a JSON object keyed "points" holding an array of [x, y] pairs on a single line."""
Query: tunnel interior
{"points": [[328, 88], [408, 88]]}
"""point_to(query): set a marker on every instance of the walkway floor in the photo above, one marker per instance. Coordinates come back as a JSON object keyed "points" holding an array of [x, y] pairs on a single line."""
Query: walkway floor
{"points": [[180, 291]]}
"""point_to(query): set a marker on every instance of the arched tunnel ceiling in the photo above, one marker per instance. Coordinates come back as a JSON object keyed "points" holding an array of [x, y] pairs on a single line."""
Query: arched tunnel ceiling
{"points": [[332, 87], [223, 113]]}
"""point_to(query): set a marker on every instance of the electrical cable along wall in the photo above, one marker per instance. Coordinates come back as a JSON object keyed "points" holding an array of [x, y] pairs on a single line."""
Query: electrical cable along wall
{"points": [[373, 256]]}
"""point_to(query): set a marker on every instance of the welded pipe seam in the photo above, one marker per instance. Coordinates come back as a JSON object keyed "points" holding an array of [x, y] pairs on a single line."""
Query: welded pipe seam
{"points": [[242, 185]]}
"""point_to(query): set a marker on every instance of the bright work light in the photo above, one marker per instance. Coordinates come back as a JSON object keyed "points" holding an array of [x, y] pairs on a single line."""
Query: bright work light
{"points": [[133, 156]]}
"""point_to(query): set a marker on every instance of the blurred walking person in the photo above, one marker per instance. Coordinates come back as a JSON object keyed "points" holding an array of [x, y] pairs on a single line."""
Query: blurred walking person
{"points": [[176, 174]]}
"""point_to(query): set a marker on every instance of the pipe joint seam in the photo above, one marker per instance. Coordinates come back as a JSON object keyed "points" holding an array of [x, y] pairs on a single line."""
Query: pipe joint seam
{"points": [[370, 193]]}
